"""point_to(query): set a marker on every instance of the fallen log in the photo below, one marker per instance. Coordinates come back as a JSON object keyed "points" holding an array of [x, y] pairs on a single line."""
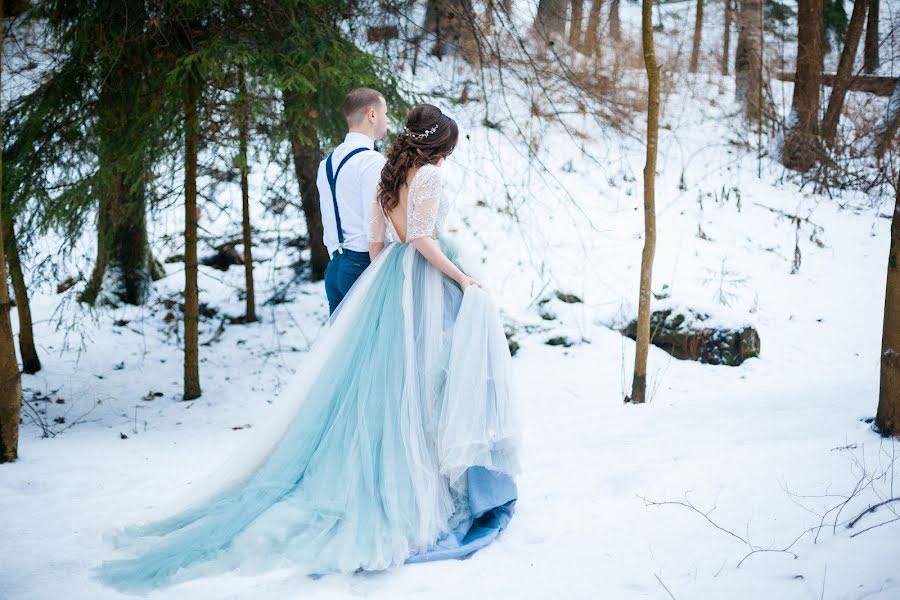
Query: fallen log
{"points": [[873, 84]]}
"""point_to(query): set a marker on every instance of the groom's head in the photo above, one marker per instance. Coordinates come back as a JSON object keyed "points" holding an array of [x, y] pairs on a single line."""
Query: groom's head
{"points": [[366, 112]]}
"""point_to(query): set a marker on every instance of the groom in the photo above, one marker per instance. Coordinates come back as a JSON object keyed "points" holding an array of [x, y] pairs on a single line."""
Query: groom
{"points": [[346, 180]]}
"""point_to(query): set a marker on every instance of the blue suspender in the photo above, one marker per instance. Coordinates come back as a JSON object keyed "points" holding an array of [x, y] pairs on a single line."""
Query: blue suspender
{"points": [[332, 182]]}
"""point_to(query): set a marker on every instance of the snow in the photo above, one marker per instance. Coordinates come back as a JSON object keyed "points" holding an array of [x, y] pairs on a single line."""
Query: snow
{"points": [[771, 444]]}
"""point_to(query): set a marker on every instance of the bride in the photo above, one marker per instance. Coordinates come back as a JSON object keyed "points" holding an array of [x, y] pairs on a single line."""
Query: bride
{"points": [[402, 442]]}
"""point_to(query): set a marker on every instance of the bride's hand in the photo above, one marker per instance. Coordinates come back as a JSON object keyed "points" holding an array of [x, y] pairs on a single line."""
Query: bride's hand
{"points": [[466, 281]]}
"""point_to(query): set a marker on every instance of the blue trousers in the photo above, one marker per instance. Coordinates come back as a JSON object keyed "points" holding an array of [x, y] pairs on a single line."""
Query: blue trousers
{"points": [[342, 272]]}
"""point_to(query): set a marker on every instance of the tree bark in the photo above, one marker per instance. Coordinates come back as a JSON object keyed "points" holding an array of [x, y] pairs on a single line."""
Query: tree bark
{"points": [[870, 51], [844, 73], [887, 419], [575, 23], [590, 42], [123, 265], [191, 293], [452, 22], [10, 382], [615, 24], [887, 129], [748, 58], [30, 361], [551, 16], [243, 134], [639, 382], [698, 34], [726, 36], [307, 153], [800, 150]]}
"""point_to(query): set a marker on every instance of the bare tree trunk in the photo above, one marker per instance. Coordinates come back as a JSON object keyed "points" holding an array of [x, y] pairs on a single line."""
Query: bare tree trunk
{"points": [[726, 36], [10, 382], [800, 150], [748, 58], [243, 126], [639, 383], [30, 361], [870, 51], [575, 23], [698, 34], [844, 74], [615, 24], [453, 23], [191, 293], [551, 16], [887, 419], [887, 129], [590, 42], [307, 153]]}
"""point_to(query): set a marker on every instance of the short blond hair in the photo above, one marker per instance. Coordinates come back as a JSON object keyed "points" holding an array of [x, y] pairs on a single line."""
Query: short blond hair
{"points": [[358, 102]]}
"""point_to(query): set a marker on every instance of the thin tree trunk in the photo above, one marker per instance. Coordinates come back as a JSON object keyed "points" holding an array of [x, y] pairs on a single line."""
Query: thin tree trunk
{"points": [[307, 153], [30, 361], [887, 419], [191, 293], [800, 149], [615, 24], [870, 52], [639, 383], [243, 125], [698, 34], [844, 73], [575, 23], [887, 129], [10, 382], [748, 58], [726, 36], [590, 42]]}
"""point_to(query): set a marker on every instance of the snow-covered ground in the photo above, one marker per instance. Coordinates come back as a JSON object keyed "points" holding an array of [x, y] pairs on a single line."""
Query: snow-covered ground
{"points": [[771, 445]]}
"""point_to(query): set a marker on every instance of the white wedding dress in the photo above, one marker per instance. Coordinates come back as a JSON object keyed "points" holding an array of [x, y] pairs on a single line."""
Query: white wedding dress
{"points": [[401, 442]]}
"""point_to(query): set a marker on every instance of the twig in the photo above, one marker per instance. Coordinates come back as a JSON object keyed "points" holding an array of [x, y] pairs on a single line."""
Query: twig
{"points": [[871, 509], [862, 531], [668, 591]]}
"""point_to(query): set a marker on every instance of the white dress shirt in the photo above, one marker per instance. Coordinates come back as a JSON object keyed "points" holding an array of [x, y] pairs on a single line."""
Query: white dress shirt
{"points": [[355, 190]]}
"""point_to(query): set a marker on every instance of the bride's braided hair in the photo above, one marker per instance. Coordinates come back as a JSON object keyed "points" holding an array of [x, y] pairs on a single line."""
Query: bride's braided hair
{"points": [[429, 135]]}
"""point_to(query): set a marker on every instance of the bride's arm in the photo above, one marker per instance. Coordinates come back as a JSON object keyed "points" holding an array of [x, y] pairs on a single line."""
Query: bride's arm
{"points": [[421, 226], [377, 228], [375, 249], [431, 250]]}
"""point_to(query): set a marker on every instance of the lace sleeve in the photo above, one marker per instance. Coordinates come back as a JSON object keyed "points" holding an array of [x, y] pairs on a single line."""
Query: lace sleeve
{"points": [[424, 202], [377, 222]]}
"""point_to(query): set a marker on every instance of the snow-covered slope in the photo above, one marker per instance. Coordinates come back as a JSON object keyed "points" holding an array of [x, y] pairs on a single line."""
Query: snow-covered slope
{"points": [[770, 445]]}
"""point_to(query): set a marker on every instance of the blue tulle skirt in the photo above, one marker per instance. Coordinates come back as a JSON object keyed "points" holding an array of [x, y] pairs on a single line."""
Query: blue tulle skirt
{"points": [[400, 445]]}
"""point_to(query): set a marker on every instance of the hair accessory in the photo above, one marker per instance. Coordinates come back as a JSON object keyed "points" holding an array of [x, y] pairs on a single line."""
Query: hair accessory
{"points": [[420, 136]]}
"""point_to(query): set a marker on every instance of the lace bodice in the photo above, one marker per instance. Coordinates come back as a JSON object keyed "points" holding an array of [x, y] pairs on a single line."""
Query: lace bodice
{"points": [[425, 209]]}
